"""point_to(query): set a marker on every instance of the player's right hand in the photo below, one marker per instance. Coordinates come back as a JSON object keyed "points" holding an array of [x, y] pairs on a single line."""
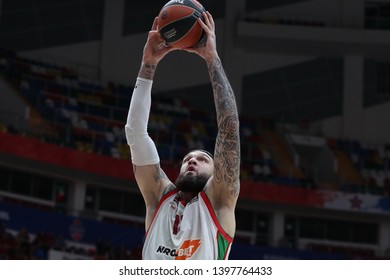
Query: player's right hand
{"points": [[155, 48]]}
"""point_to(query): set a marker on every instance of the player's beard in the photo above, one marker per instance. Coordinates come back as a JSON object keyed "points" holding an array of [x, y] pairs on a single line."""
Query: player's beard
{"points": [[188, 183]]}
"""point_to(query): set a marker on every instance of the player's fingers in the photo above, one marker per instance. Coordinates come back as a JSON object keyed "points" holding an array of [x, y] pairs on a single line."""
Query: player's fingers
{"points": [[211, 19], [154, 26], [206, 19], [204, 25]]}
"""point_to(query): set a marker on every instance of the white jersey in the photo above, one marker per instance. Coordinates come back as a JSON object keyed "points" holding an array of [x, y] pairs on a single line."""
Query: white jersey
{"points": [[185, 232]]}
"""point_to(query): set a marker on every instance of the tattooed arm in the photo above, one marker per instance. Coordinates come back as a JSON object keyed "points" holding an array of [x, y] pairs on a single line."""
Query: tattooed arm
{"points": [[224, 186]]}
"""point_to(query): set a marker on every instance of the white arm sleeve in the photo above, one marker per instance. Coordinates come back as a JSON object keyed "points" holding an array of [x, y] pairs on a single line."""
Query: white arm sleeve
{"points": [[143, 150]]}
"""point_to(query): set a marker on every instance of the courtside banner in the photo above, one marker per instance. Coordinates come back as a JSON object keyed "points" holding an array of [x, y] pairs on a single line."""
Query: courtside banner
{"points": [[121, 270]]}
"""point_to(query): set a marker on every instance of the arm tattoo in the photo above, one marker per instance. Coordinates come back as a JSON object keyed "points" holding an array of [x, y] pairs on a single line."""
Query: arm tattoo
{"points": [[227, 145], [147, 71], [159, 174]]}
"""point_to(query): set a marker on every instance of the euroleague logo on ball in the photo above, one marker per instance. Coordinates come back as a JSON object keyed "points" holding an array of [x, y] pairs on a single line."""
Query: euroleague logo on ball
{"points": [[164, 15]]}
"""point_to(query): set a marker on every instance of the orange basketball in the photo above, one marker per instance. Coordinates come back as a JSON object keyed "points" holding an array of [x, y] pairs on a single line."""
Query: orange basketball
{"points": [[178, 23]]}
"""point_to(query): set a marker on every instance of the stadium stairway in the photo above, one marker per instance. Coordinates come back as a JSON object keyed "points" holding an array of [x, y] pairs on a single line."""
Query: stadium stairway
{"points": [[279, 151], [345, 168]]}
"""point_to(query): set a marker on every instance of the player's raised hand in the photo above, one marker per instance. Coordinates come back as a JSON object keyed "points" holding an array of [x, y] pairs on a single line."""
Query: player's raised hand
{"points": [[208, 49], [155, 48]]}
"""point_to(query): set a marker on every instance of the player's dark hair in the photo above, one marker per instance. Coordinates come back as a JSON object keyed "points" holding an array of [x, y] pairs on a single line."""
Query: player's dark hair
{"points": [[204, 151]]}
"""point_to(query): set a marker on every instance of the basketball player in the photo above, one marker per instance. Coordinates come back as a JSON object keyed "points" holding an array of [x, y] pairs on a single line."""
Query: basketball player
{"points": [[193, 218]]}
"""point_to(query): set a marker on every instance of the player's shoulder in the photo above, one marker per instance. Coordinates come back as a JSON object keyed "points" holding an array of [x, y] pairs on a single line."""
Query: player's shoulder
{"points": [[170, 188]]}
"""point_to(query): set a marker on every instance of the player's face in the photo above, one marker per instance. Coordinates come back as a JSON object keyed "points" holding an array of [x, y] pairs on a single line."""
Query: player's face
{"points": [[196, 169], [196, 163]]}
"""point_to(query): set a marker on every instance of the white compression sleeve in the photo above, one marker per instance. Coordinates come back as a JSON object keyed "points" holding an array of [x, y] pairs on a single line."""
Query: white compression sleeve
{"points": [[143, 150]]}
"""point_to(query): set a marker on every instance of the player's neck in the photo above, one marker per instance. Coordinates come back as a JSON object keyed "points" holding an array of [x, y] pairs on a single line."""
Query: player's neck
{"points": [[188, 196]]}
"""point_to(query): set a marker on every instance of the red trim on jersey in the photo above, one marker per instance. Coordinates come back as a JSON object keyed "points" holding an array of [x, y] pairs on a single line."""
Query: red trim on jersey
{"points": [[165, 197], [214, 217]]}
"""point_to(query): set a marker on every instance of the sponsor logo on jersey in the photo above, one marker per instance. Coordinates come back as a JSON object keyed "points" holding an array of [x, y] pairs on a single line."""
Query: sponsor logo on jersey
{"points": [[185, 251]]}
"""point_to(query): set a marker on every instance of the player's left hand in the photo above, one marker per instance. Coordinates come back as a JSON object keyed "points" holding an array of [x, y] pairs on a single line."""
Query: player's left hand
{"points": [[208, 49]]}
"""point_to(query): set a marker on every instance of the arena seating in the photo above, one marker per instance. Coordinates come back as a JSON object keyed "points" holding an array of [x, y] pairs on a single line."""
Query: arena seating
{"points": [[371, 162], [89, 116]]}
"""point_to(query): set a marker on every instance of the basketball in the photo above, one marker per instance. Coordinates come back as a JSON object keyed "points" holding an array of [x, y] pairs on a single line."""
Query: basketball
{"points": [[178, 23]]}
